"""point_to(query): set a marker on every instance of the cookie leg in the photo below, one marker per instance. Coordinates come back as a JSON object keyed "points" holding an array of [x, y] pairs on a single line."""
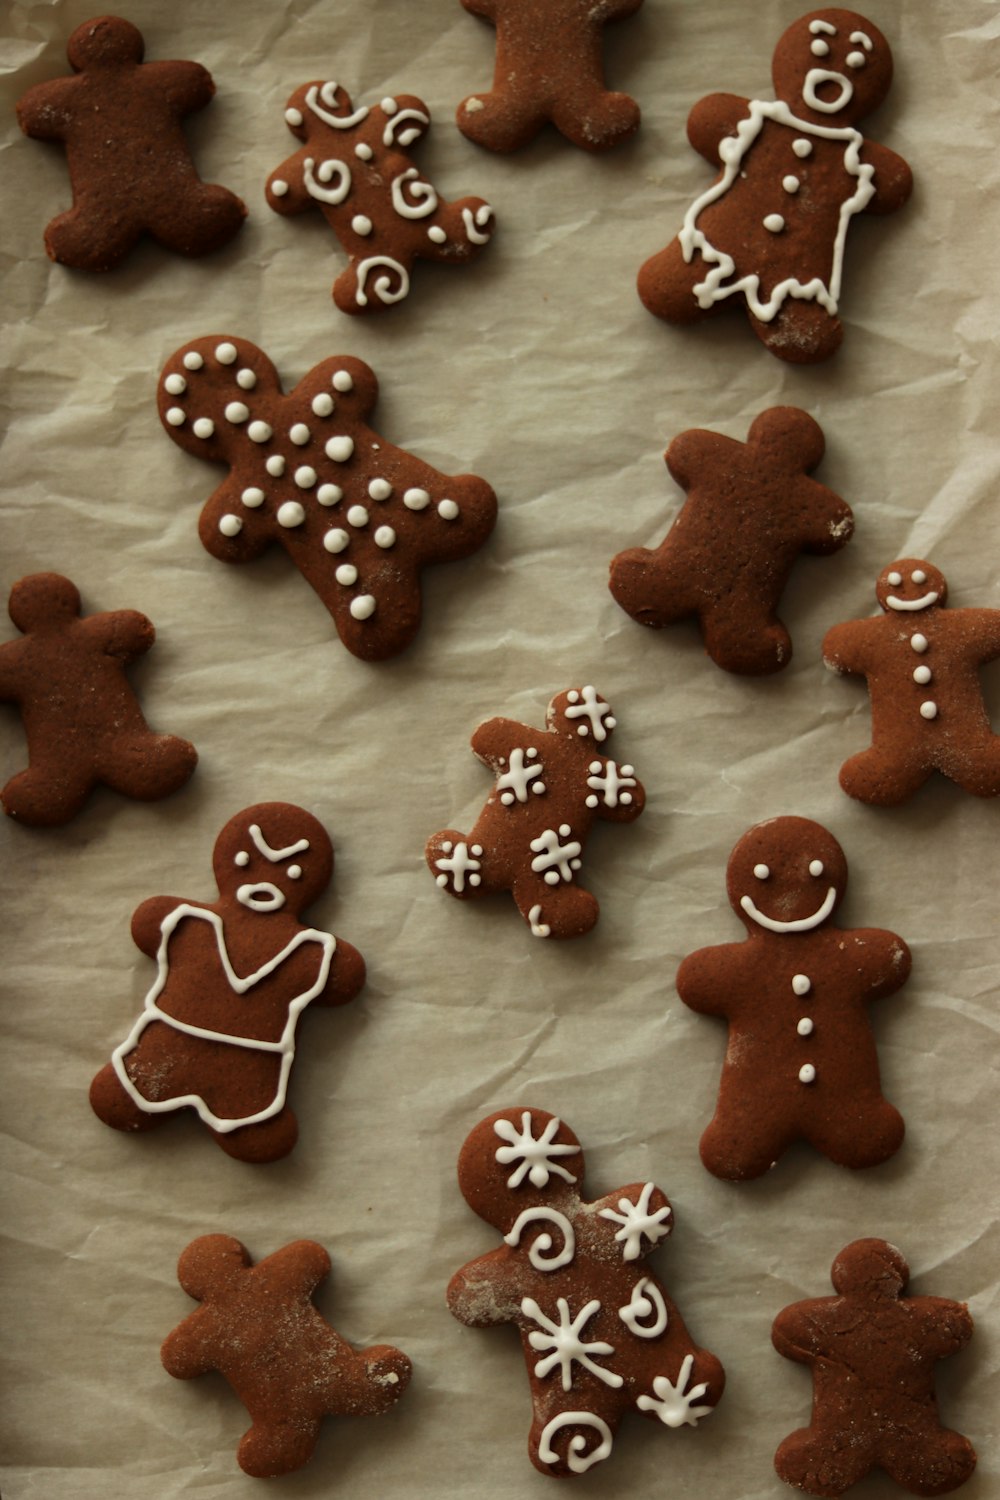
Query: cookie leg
{"points": [[864, 1135], [206, 219], [570, 1442], [751, 643], [45, 797], [97, 240], [598, 121], [666, 285], [372, 283], [932, 1465], [561, 911], [148, 766], [272, 1447], [648, 588], [802, 332], [882, 780], [823, 1464], [111, 1103], [738, 1149], [455, 861], [977, 767], [269, 1140], [499, 121]]}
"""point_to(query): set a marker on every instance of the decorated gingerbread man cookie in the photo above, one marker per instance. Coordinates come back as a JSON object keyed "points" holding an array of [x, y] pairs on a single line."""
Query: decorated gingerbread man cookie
{"points": [[258, 1327], [358, 517], [600, 1335], [751, 508], [82, 720], [921, 661], [356, 169], [549, 69], [770, 232], [217, 1031], [550, 786], [130, 167], [872, 1351], [801, 1062]]}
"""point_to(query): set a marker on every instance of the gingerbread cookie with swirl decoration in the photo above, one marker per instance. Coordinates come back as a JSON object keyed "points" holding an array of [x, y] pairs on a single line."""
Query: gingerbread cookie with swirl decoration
{"points": [[354, 167]]}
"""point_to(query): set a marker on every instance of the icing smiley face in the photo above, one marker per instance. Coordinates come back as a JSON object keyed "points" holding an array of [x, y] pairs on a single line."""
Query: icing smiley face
{"points": [[786, 876], [273, 858], [832, 65], [911, 585]]}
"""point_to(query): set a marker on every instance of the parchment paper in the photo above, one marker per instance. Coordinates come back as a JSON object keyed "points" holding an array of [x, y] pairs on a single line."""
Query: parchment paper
{"points": [[539, 369]]}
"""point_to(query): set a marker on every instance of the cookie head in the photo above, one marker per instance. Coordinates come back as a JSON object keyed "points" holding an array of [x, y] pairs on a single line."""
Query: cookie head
{"points": [[833, 67], [870, 1268], [582, 714], [273, 857], [910, 586], [517, 1161], [111, 40], [211, 1263], [43, 599], [785, 876]]}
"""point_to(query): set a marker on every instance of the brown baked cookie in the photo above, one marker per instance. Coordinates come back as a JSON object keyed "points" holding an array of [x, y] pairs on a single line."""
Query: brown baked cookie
{"points": [[751, 508], [549, 68], [359, 517], [921, 662], [129, 164], [600, 1335], [356, 169], [872, 1352], [550, 786], [257, 1325], [770, 231], [801, 1062], [217, 1031], [82, 720]]}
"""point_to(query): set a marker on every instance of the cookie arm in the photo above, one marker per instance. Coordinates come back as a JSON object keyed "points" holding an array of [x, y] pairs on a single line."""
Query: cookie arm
{"points": [[190, 1350], [295, 1271], [43, 112], [611, 803], [980, 628], [486, 8], [496, 738], [947, 1326], [893, 179], [712, 119], [147, 922], [796, 1331], [847, 647], [486, 1291], [705, 980], [346, 978], [883, 961], [186, 86], [12, 687], [121, 633], [634, 1220]]}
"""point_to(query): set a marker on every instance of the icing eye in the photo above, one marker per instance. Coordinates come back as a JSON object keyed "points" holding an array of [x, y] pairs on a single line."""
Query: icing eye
{"points": [[856, 59], [919, 576], [819, 48], [294, 872], [815, 867], [761, 871], [895, 579], [242, 859]]}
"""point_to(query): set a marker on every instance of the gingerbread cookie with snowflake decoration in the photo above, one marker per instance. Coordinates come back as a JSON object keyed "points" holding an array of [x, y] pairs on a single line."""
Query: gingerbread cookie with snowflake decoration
{"points": [[359, 517], [550, 786], [600, 1335]]}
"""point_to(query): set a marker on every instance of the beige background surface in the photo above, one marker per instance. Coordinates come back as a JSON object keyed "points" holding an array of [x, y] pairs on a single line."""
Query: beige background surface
{"points": [[539, 369]]}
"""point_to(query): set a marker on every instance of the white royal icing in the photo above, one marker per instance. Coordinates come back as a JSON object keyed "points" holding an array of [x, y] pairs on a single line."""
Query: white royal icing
{"points": [[586, 704], [383, 288], [412, 198], [637, 1221], [520, 777], [612, 782], [577, 1458], [397, 132], [646, 1299], [907, 605], [799, 924], [327, 93], [337, 173], [538, 1254], [562, 1342], [475, 224], [672, 1403], [458, 861], [557, 861], [534, 1155]]}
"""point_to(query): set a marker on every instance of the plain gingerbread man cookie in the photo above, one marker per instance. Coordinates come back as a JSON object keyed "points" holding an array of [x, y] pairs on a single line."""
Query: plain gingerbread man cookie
{"points": [[82, 720], [257, 1325], [801, 1062], [872, 1352], [129, 164], [550, 786], [751, 509], [770, 232], [549, 69], [217, 1031], [355, 167], [358, 517], [600, 1335], [921, 662]]}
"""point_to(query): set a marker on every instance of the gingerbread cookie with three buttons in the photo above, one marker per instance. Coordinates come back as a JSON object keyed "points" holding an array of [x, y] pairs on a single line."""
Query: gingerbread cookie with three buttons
{"points": [[921, 661], [770, 232], [358, 517], [801, 1062]]}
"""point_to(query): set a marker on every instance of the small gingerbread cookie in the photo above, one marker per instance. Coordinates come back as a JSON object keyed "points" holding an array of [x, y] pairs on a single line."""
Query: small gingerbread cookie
{"points": [[129, 164], [751, 508], [82, 720], [257, 1325], [550, 786], [549, 69], [872, 1352], [217, 1031], [921, 662], [770, 232], [600, 1335], [358, 517], [355, 167], [801, 1062]]}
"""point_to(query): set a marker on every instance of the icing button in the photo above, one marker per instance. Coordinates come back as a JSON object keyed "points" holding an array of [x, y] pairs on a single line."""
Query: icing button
{"points": [[807, 1073], [918, 642], [357, 515], [922, 675], [805, 1026], [929, 709], [801, 984], [774, 223]]}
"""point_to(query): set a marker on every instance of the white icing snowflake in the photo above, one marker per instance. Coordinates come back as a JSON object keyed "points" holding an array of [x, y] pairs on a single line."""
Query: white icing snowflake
{"points": [[586, 704], [515, 782], [535, 1156], [460, 860], [557, 860], [565, 1341], [636, 1221], [672, 1403], [610, 784]]}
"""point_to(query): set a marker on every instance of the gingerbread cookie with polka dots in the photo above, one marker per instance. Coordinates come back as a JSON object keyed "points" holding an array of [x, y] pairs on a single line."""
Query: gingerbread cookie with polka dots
{"points": [[358, 517]]}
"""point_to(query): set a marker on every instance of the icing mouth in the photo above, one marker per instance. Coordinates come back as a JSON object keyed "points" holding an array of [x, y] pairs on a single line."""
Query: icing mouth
{"points": [[925, 600], [815, 79], [263, 896], [800, 924]]}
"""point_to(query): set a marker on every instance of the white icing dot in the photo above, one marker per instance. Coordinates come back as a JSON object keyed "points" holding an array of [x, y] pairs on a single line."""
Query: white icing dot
{"points": [[380, 489], [236, 411], [918, 642], [856, 59], [336, 540], [279, 187], [361, 224], [291, 513], [363, 151], [175, 385], [385, 537], [242, 859], [790, 183], [259, 432], [294, 872], [225, 353], [807, 1073], [761, 871], [363, 607], [416, 499], [929, 709], [246, 379], [322, 404], [389, 105], [801, 984], [329, 494], [304, 477], [340, 448], [193, 360], [357, 515], [176, 416], [346, 574], [895, 579], [342, 381], [447, 510], [293, 115], [203, 427], [919, 576], [437, 234], [275, 465], [252, 497], [819, 48], [774, 222], [230, 525], [922, 674], [802, 148], [299, 434], [805, 1028], [815, 867]]}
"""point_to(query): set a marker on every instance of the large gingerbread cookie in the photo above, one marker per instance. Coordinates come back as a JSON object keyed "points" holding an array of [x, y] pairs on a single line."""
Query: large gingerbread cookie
{"points": [[872, 1351], [355, 168], [600, 1335], [751, 509], [551, 784], [770, 232], [217, 1031], [359, 517], [130, 167], [801, 1062], [921, 662]]}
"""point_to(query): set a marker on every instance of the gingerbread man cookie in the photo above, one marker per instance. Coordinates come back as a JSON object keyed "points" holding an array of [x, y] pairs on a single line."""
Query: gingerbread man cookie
{"points": [[921, 661], [217, 1031], [257, 1325], [801, 1062], [549, 68], [82, 720], [355, 168], [600, 1335], [770, 231], [359, 518], [751, 508], [550, 786], [872, 1352], [130, 167]]}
